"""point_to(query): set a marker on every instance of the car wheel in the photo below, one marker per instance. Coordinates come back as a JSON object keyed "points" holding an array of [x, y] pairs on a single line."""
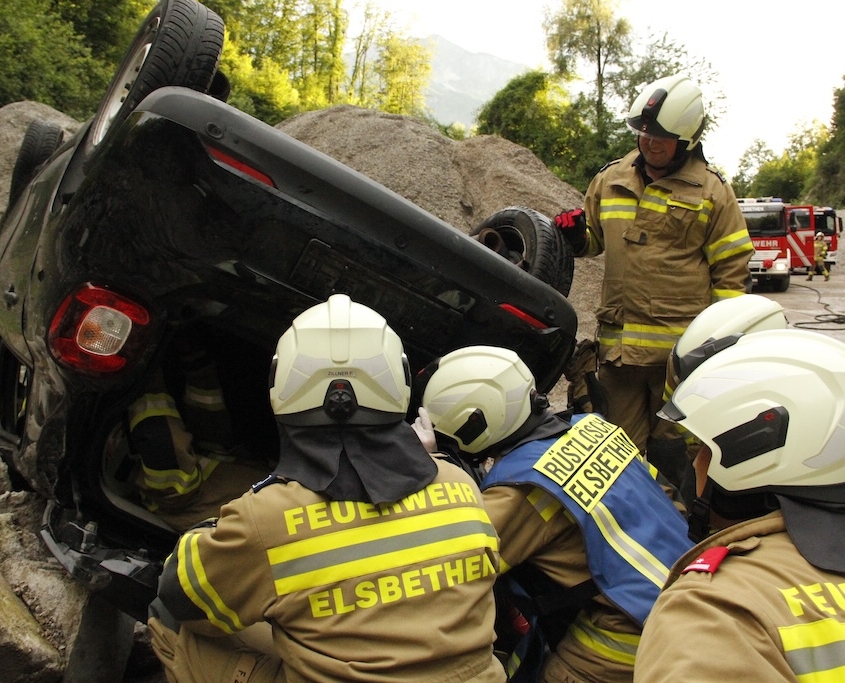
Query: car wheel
{"points": [[781, 284], [41, 139], [530, 240], [179, 43]]}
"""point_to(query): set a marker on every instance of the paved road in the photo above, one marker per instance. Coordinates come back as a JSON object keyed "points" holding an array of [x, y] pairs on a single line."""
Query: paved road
{"points": [[817, 305]]}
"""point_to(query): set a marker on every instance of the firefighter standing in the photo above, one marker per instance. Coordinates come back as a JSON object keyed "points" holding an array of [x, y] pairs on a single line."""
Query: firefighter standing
{"points": [[567, 501], [763, 598], [369, 559], [819, 255], [675, 241]]}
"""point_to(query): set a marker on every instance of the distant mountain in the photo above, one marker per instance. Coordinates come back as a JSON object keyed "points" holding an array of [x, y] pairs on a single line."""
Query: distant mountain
{"points": [[462, 81]]}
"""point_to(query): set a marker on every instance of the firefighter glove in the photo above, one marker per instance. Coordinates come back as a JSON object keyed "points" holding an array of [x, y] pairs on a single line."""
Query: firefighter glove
{"points": [[424, 430], [573, 226]]}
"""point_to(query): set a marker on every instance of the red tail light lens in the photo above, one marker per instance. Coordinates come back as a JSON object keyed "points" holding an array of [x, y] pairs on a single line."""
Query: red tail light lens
{"points": [[97, 330]]}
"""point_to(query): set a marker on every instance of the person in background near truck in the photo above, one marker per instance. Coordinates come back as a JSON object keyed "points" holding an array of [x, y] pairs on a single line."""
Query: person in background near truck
{"points": [[762, 598], [567, 498], [367, 558], [675, 241], [819, 255]]}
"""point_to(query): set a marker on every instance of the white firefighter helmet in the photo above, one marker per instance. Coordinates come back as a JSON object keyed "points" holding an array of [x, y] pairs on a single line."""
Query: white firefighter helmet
{"points": [[771, 408], [670, 107], [479, 396], [339, 362], [819, 235], [720, 323]]}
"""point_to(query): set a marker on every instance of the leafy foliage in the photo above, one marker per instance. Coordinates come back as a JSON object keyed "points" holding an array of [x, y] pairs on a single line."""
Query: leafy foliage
{"points": [[42, 58], [827, 183]]}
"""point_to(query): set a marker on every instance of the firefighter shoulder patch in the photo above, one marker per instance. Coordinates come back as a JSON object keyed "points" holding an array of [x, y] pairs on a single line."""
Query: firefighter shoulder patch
{"points": [[708, 561]]}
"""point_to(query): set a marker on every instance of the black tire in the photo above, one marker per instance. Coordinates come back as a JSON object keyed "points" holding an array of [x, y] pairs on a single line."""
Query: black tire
{"points": [[41, 139], [780, 284], [530, 240], [179, 43]]}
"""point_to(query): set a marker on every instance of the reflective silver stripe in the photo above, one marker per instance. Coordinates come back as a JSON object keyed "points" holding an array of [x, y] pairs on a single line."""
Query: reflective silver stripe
{"points": [[730, 245], [389, 545], [195, 584], [815, 651], [635, 554]]}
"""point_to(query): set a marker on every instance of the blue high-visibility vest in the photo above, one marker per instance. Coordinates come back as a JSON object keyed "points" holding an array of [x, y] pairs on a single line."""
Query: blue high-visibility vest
{"points": [[633, 533]]}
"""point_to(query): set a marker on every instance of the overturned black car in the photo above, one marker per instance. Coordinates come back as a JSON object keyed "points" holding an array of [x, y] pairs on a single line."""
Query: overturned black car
{"points": [[171, 211]]}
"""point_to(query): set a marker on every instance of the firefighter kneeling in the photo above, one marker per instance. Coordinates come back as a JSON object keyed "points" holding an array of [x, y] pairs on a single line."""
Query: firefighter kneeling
{"points": [[587, 534], [762, 598], [360, 558]]}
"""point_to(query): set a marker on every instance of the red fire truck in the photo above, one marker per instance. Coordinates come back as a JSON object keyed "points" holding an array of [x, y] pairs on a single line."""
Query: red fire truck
{"points": [[780, 244]]}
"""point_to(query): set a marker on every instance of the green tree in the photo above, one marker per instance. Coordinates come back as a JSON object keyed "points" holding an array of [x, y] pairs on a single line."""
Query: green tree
{"points": [[788, 175], [587, 33], [533, 110], [262, 91], [756, 156], [362, 82], [403, 68], [663, 56], [43, 59], [827, 181], [106, 26]]}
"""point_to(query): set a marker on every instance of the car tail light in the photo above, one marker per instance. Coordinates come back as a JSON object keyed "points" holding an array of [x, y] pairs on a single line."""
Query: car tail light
{"points": [[97, 330], [230, 161], [525, 317]]}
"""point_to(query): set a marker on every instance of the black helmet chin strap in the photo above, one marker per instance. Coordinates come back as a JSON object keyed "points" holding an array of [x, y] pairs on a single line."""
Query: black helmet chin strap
{"points": [[699, 515]]}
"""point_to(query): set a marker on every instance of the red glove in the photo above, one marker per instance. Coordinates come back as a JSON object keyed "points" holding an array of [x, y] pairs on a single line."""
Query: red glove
{"points": [[573, 225]]}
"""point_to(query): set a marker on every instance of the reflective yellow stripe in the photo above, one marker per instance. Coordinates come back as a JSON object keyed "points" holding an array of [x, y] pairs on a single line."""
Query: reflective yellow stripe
{"points": [[655, 336], [816, 651], [629, 548], [152, 405], [617, 647], [179, 480], [546, 505], [719, 294], [388, 545], [729, 245], [618, 207], [654, 199], [195, 584]]}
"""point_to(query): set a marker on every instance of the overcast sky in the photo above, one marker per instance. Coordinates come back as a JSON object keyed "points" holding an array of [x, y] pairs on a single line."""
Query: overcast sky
{"points": [[778, 63]]}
